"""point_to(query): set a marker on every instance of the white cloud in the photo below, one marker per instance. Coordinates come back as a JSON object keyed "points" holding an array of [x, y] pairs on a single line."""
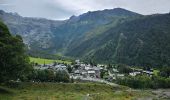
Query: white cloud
{"points": [[140, 6], [61, 9], [6, 5]]}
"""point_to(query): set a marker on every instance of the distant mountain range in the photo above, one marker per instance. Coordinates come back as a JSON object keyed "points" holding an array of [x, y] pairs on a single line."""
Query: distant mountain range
{"points": [[107, 36]]}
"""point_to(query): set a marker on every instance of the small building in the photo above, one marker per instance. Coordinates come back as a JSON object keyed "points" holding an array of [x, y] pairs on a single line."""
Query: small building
{"points": [[77, 61], [148, 73], [91, 73], [134, 73], [120, 75], [84, 74], [60, 67], [97, 72], [77, 73], [115, 70]]}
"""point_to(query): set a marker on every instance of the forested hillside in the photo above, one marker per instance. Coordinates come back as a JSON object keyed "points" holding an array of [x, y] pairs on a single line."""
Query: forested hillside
{"points": [[142, 42]]}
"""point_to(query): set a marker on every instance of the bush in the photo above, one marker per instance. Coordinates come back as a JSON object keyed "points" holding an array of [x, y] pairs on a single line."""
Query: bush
{"points": [[49, 76], [145, 82], [13, 84]]}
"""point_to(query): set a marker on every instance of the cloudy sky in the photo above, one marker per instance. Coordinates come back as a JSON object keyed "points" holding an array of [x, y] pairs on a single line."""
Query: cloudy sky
{"points": [[63, 9]]}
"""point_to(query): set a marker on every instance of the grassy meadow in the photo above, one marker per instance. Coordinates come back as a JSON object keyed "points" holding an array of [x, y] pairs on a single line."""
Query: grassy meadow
{"points": [[47, 61], [70, 91]]}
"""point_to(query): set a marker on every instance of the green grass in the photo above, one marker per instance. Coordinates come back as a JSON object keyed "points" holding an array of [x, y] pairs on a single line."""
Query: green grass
{"points": [[155, 72], [47, 61], [70, 91]]}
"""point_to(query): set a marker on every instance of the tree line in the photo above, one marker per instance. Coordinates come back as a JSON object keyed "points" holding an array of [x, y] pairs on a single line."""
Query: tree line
{"points": [[143, 82], [162, 80], [48, 76]]}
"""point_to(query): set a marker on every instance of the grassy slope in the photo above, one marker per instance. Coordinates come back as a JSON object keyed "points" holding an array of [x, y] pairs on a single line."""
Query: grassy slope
{"points": [[78, 91], [46, 61]]}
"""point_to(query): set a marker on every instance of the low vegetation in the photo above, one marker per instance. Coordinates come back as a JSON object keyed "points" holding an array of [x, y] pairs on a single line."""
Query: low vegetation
{"points": [[47, 61], [70, 91], [159, 79], [145, 82], [49, 76]]}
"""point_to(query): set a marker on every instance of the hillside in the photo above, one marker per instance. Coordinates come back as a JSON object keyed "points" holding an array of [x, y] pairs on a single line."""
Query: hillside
{"points": [[36, 32], [49, 36], [141, 42]]}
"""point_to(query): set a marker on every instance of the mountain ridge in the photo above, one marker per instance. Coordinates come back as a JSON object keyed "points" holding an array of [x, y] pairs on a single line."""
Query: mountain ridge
{"points": [[107, 36]]}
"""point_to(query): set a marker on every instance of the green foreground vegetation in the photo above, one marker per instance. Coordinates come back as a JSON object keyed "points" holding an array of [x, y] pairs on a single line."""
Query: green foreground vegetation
{"points": [[47, 61], [70, 91]]}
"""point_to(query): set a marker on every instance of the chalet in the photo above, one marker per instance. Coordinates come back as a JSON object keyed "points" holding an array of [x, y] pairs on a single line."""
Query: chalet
{"points": [[91, 73], [148, 73], [84, 74], [77, 73], [134, 73], [120, 75], [60, 67], [115, 70]]}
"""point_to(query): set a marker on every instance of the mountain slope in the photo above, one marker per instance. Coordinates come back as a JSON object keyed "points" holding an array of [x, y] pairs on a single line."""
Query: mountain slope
{"points": [[36, 32], [61, 36], [142, 42], [108, 36]]}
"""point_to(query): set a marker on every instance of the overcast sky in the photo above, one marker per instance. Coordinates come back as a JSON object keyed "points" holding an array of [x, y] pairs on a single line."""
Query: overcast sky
{"points": [[63, 9]]}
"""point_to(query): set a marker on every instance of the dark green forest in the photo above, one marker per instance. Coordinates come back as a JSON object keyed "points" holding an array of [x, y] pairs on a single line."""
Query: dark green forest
{"points": [[14, 63], [140, 42]]}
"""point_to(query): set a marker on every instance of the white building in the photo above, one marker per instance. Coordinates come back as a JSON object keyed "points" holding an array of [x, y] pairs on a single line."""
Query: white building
{"points": [[134, 73], [60, 67]]}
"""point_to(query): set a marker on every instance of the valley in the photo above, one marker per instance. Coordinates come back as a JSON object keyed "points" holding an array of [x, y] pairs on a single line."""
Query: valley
{"points": [[109, 54], [117, 36]]}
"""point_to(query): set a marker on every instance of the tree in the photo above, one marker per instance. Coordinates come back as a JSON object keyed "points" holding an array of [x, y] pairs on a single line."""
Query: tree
{"points": [[165, 71], [124, 69], [62, 76], [93, 63], [69, 68], [102, 73], [76, 66], [14, 63], [109, 66], [49, 74]]}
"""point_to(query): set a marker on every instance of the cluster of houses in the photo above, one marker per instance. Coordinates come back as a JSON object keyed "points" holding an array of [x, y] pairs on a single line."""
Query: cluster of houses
{"points": [[83, 70], [115, 73], [141, 72], [88, 71], [55, 67]]}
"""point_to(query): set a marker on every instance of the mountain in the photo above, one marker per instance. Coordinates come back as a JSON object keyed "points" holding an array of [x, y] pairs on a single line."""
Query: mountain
{"points": [[36, 32], [106, 36], [141, 42], [53, 37], [76, 28]]}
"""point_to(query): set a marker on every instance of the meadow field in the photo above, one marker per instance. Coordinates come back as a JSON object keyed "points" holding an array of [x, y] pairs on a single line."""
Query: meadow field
{"points": [[47, 61]]}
